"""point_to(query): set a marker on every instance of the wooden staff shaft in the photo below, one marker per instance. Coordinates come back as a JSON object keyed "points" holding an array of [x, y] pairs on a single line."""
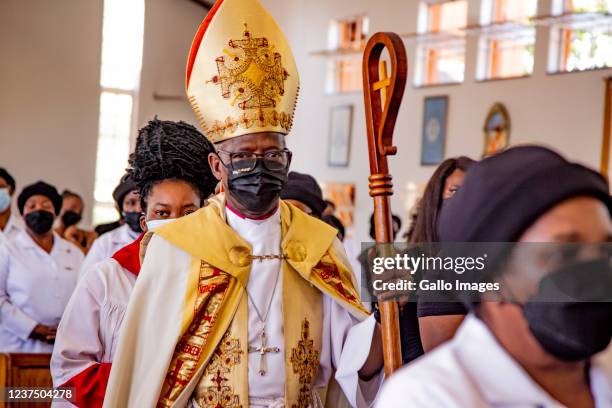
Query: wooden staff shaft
{"points": [[383, 96]]}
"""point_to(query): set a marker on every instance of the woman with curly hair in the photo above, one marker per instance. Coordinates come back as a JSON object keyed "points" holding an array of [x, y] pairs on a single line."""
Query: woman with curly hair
{"points": [[170, 168]]}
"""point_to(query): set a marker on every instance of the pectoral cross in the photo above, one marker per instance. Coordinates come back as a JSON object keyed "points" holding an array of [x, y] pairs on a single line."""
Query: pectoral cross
{"points": [[263, 349], [383, 83]]}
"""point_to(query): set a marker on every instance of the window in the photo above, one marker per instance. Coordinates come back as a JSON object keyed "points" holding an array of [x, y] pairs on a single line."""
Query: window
{"points": [[582, 38], [441, 43], [346, 40], [507, 41], [122, 38]]}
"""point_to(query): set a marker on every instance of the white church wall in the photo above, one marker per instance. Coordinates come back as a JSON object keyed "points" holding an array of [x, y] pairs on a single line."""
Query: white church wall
{"points": [[49, 92], [169, 28]]}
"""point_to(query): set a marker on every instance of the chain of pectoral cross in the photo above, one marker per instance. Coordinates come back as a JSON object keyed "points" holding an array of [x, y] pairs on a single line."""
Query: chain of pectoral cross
{"points": [[263, 348]]}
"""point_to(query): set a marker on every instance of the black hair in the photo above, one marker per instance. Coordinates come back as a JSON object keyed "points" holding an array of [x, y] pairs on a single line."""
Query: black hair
{"points": [[395, 220], [425, 224], [167, 150], [67, 194], [8, 178]]}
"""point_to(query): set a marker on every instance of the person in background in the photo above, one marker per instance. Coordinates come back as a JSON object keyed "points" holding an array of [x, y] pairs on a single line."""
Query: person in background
{"points": [[38, 272], [127, 197], [330, 208], [10, 225], [516, 348], [125, 186], [70, 216], [443, 184], [437, 321], [303, 191], [337, 224], [173, 184]]}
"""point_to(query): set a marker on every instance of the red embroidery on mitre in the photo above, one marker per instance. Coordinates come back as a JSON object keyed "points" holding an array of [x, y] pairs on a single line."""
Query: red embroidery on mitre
{"points": [[197, 40], [129, 256]]}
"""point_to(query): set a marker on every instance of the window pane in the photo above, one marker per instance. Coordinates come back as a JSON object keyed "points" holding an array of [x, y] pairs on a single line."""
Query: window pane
{"points": [[122, 37], [507, 50], [516, 10], [453, 15], [113, 144], [589, 48], [441, 56], [585, 6]]}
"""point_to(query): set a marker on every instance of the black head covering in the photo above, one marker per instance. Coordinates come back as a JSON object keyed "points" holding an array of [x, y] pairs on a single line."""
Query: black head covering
{"points": [[40, 188], [8, 178], [395, 218], [126, 185], [304, 188], [504, 194]]}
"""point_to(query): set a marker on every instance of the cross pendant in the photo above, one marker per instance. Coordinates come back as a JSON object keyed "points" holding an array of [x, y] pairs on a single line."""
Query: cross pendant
{"points": [[263, 349]]}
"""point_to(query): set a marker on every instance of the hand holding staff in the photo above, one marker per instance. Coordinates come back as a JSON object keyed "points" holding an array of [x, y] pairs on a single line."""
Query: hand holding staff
{"points": [[383, 96]]}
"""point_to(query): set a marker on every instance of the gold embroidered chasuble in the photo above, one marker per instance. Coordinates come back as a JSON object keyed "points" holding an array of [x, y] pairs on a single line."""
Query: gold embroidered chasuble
{"points": [[210, 358]]}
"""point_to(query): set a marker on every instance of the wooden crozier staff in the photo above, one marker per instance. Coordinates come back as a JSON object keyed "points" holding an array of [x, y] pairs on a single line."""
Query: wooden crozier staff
{"points": [[383, 96]]}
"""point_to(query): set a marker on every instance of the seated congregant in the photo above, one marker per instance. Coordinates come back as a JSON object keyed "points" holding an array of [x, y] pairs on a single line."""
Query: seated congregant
{"points": [[38, 272], [10, 224], [68, 220]]}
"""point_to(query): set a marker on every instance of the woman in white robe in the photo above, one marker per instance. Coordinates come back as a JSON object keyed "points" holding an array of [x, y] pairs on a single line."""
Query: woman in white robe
{"points": [[38, 272], [88, 332]]}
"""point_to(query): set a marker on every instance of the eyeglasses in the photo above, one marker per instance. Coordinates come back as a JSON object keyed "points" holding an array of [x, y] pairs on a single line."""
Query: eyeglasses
{"points": [[243, 162]]}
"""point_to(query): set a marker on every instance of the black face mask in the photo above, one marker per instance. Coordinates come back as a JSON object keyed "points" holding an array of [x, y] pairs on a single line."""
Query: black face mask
{"points": [[70, 218], [258, 188], [571, 314], [40, 222], [132, 219]]}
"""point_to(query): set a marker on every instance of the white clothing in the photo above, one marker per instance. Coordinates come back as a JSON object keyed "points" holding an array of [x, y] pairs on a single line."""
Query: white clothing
{"points": [[12, 228], [264, 236], [345, 342], [106, 246], [89, 329], [474, 370], [34, 289]]}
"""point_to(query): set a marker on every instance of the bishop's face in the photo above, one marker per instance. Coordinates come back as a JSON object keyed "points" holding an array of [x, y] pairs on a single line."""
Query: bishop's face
{"points": [[253, 170]]}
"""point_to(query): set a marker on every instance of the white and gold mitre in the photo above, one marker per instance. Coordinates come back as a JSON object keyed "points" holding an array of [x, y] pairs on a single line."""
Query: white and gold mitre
{"points": [[241, 75]]}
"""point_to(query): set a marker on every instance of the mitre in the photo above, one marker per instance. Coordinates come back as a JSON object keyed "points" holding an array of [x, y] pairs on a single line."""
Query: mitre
{"points": [[241, 75]]}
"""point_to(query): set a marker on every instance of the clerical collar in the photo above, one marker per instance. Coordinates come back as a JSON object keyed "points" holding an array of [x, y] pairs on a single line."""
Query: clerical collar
{"points": [[260, 218]]}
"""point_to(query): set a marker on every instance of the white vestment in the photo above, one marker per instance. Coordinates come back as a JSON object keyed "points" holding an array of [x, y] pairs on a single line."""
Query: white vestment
{"points": [[474, 370], [345, 346], [89, 329]]}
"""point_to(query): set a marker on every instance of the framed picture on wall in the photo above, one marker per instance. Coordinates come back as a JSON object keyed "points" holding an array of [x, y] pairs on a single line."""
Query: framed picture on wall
{"points": [[340, 128], [434, 130], [496, 130]]}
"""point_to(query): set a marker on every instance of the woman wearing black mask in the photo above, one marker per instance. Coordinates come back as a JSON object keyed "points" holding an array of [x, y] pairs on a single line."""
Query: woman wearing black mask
{"points": [[68, 220], [127, 198], [38, 272], [531, 342]]}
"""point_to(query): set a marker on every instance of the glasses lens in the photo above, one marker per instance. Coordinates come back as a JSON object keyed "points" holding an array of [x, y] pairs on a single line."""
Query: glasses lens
{"points": [[276, 160], [243, 161]]}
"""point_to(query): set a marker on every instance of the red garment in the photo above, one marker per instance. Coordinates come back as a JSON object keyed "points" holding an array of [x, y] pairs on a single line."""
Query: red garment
{"points": [[129, 256], [90, 384], [261, 217]]}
